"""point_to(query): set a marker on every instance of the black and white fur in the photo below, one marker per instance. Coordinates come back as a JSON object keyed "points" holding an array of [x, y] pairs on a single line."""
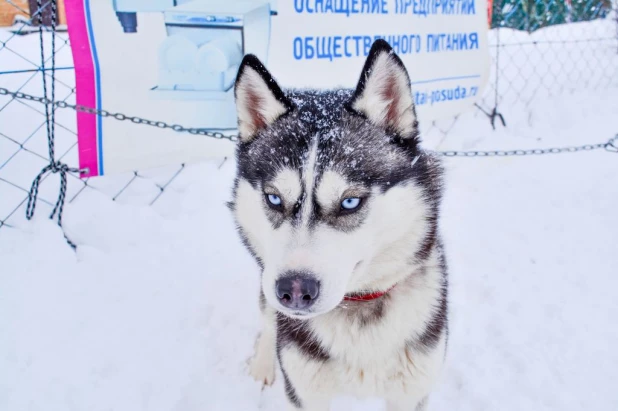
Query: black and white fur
{"points": [[312, 149]]}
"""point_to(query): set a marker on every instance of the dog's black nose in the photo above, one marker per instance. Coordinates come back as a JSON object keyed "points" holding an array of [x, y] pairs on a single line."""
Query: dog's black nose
{"points": [[297, 290]]}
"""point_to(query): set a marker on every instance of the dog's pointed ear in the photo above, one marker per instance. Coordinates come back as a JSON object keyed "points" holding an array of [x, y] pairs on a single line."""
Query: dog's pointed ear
{"points": [[259, 99], [383, 94]]}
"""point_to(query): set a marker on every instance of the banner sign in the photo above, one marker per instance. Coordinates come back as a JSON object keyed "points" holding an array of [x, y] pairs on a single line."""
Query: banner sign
{"points": [[176, 60]]}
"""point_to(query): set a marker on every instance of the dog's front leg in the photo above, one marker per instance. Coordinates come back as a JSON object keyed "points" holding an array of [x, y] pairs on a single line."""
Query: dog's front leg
{"points": [[262, 365]]}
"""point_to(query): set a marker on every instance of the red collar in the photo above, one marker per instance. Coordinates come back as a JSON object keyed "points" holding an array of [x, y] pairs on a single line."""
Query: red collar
{"points": [[366, 297]]}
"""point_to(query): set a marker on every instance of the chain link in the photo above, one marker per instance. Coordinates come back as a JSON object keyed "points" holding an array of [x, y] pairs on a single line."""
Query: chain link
{"points": [[120, 116], [610, 145]]}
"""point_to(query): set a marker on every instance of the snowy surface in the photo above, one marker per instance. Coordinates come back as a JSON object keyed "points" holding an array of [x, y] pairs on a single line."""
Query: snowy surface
{"points": [[158, 308]]}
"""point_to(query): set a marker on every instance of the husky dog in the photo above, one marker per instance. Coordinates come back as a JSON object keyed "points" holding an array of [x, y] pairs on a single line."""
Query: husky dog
{"points": [[339, 206]]}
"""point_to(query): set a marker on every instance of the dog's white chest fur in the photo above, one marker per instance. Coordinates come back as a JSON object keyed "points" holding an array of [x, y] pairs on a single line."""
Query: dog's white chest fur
{"points": [[372, 354]]}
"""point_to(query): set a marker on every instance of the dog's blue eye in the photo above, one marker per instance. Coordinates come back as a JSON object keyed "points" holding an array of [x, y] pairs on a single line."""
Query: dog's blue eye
{"points": [[274, 199], [350, 203]]}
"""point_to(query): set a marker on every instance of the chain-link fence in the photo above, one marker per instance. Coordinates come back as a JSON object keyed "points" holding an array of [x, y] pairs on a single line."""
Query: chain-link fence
{"points": [[544, 48], [538, 48], [24, 149]]}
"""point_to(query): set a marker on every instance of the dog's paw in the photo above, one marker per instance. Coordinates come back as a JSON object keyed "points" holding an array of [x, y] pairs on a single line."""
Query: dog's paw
{"points": [[262, 368]]}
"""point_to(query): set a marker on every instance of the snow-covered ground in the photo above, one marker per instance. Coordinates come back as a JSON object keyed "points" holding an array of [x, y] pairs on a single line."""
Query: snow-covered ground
{"points": [[157, 310]]}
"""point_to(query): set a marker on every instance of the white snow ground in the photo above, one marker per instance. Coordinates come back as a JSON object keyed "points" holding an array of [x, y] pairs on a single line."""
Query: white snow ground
{"points": [[157, 310]]}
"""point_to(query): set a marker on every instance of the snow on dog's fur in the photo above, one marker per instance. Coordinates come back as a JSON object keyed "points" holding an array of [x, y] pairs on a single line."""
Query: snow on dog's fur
{"points": [[336, 200]]}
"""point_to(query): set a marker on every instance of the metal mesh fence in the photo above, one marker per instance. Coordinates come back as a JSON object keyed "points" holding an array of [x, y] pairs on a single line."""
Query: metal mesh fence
{"points": [[544, 48], [23, 134], [538, 48]]}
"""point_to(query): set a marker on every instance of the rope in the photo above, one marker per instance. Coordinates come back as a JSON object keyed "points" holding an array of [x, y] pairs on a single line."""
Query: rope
{"points": [[54, 167]]}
